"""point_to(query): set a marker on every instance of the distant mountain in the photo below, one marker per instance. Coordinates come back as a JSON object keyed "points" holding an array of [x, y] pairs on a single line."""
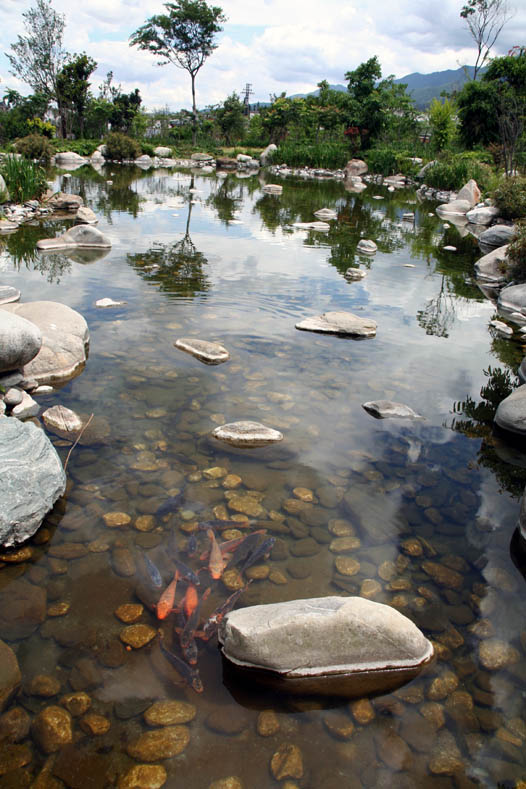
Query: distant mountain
{"points": [[421, 87]]}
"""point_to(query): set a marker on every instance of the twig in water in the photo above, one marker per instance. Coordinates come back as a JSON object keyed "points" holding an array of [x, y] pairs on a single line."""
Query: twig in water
{"points": [[77, 441]]}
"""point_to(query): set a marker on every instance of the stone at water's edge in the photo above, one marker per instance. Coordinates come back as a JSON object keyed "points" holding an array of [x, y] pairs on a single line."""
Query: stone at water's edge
{"points": [[62, 420], [325, 214], [32, 479], [325, 645], [247, 435], [65, 202], [512, 303], [65, 336], [85, 216], [384, 409], [355, 167], [470, 192], [521, 372], [21, 340], [9, 294], [455, 208], [207, 352], [355, 273], [497, 236], [483, 215], [312, 226], [511, 413], [344, 323], [10, 676], [80, 236], [493, 267]]}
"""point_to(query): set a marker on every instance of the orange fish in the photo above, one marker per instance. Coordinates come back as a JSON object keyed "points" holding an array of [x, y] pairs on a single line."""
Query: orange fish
{"points": [[166, 600], [216, 563], [190, 601]]}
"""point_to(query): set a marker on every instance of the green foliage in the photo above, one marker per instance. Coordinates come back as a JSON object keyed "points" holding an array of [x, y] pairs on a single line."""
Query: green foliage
{"points": [[453, 170], [147, 148], [510, 198], [517, 252], [256, 135], [21, 110], [388, 161], [230, 119], [35, 146], [24, 179], [441, 118], [120, 146], [82, 147], [477, 112], [44, 128], [72, 91], [330, 155]]}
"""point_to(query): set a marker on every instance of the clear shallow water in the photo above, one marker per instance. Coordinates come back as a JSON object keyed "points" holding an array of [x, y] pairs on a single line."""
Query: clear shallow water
{"points": [[223, 263]]}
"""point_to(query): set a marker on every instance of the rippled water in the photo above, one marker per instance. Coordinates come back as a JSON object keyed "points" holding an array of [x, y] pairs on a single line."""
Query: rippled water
{"points": [[224, 263]]}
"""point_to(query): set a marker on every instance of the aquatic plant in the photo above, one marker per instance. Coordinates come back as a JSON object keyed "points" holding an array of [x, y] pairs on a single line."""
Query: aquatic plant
{"points": [[24, 179], [330, 155]]}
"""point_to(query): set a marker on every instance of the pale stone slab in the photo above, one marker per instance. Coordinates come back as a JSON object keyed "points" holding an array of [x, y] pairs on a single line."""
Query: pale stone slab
{"points": [[344, 323], [273, 189], [483, 215], [247, 434], [9, 294], [326, 214], [85, 216], [323, 226], [455, 208], [62, 420], [385, 409], [207, 352], [80, 236]]}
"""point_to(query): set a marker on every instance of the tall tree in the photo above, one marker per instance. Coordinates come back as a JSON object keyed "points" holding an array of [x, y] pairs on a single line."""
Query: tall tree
{"points": [[184, 37], [73, 89], [485, 19], [38, 57]]}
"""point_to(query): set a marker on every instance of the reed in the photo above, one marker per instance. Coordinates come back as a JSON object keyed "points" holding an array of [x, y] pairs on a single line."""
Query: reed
{"points": [[24, 179]]}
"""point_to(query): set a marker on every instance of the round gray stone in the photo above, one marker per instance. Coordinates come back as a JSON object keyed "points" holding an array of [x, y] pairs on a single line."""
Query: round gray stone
{"points": [[511, 413], [247, 434], [207, 352], [21, 340]]}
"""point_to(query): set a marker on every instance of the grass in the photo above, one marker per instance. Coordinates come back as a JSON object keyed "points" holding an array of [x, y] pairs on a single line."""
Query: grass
{"points": [[327, 155], [24, 179]]}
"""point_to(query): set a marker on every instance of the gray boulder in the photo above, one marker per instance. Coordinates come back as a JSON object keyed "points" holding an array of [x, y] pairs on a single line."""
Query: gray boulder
{"points": [[385, 409], [247, 435], [511, 413], [266, 155], [326, 644], [4, 194], [493, 267], [497, 236], [162, 151], [344, 323], [85, 216], [512, 303], [355, 167], [366, 246], [483, 215], [326, 214], [65, 337], [454, 208], [32, 479], [69, 156], [20, 341], [77, 237], [470, 192], [207, 352], [63, 201]]}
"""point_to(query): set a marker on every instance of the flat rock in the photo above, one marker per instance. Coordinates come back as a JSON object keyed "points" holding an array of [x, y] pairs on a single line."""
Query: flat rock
{"points": [[22, 609], [326, 214], [483, 215], [62, 421], [511, 412], [325, 645], [26, 408], [107, 302], [10, 676], [247, 434], [77, 237], [497, 236], [344, 323], [32, 480], [63, 201], [493, 267], [207, 352], [384, 409], [455, 208], [65, 336], [153, 746], [366, 246], [9, 294], [273, 189], [21, 340], [323, 226], [355, 274]]}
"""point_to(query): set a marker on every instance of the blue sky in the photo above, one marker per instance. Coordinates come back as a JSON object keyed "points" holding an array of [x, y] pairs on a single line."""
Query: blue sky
{"points": [[277, 45]]}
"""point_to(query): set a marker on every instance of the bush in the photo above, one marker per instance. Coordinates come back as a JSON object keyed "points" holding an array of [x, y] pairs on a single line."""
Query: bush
{"points": [[82, 147], [331, 155], [453, 171], [387, 161], [24, 179], [148, 148], [510, 198], [120, 146], [517, 252], [35, 146]]}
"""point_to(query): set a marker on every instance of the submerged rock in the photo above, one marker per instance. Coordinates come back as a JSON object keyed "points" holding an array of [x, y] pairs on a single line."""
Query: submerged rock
{"points": [[273, 189], [9, 294], [32, 480], [384, 409], [10, 676], [355, 274], [107, 302], [247, 434], [79, 237], [153, 746], [52, 728], [21, 341], [344, 323], [331, 645], [62, 421], [207, 352]]}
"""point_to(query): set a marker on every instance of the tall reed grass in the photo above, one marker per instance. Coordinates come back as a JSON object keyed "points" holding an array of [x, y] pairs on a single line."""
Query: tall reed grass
{"points": [[24, 179]]}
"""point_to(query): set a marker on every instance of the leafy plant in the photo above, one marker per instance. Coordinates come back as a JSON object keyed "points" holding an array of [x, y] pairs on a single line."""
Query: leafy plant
{"points": [[442, 120], [517, 252], [120, 146], [82, 147], [452, 172], [332, 155], [44, 128], [510, 198], [387, 161], [35, 146], [24, 179]]}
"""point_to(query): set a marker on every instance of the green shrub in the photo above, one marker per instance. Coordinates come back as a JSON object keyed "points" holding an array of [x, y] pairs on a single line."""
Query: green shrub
{"points": [[387, 161], [148, 148], [331, 155], [120, 146], [517, 252], [24, 179], [453, 171], [35, 146], [38, 126], [82, 147], [510, 198]]}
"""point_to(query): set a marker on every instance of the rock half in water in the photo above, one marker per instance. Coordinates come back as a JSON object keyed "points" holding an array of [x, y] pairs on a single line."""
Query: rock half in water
{"points": [[207, 352], [344, 323], [384, 409], [247, 434]]}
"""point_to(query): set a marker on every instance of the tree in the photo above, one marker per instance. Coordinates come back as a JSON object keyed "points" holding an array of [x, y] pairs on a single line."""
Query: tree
{"points": [[485, 19], [183, 37], [441, 118], [73, 89], [38, 57], [230, 118]]}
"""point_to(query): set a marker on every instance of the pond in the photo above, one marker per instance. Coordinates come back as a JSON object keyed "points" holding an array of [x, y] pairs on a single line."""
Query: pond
{"points": [[432, 504]]}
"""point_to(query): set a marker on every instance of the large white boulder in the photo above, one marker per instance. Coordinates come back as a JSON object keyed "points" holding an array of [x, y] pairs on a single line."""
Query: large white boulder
{"points": [[497, 236], [20, 341], [511, 413], [483, 215], [454, 208], [355, 167], [162, 151], [266, 155], [325, 643]]}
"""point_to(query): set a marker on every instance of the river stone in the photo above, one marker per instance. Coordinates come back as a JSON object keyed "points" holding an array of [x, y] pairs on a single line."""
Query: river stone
{"points": [[325, 645], [79, 237], [324, 226], [511, 413], [164, 743], [355, 273], [69, 156], [247, 434], [10, 676], [144, 776], [207, 352], [22, 609], [367, 247], [32, 480], [26, 407], [9, 294], [287, 762], [455, 208], [497, 235], [512, 303], [21, 341], [52, 728], [273, 189], [325, 214], [344, 323], [355, 167], [384, 409], [483, 215], [493, 267], [85, 216], [168, 713], [62, 420], [65, 336], [65, 202]]}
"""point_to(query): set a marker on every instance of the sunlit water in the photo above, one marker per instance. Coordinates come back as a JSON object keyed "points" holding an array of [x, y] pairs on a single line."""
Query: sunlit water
{"points": [[224, 263]]}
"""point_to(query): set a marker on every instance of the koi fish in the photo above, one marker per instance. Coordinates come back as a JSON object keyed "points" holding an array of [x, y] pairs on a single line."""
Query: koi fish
{"points": [[153, 572], [211, 625], [216, 564], [166, 600], [245, 548], [230, 545], [265, 547], [190, 601], [191, 546], [187, 635], [186, 572], [189, 675], [170, 505]]}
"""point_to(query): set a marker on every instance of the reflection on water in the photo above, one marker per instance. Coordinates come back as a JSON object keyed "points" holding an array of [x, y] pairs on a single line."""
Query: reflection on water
{"points": [[415, 515]]}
